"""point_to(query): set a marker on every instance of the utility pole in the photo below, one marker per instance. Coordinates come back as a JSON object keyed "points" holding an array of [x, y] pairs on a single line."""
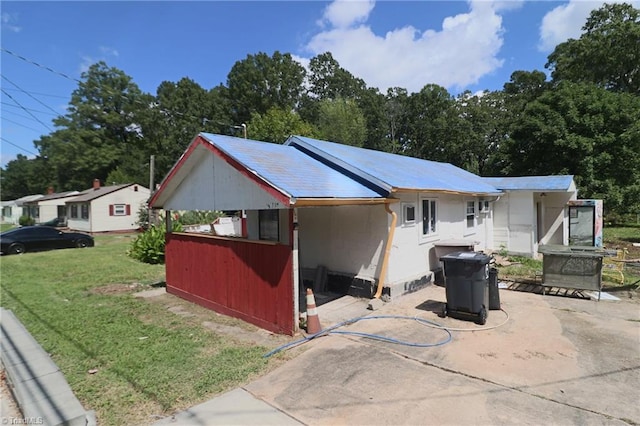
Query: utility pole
{"points": [[152, 166], [150, 212]]}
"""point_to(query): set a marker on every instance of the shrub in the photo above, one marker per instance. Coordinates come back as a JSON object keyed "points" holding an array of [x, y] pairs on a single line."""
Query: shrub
{"points": [[26, 221], [149, 246], [196, 217]]}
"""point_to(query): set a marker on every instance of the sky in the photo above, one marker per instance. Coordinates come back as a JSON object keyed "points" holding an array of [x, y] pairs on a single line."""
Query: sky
{"points": [[461, 45]]}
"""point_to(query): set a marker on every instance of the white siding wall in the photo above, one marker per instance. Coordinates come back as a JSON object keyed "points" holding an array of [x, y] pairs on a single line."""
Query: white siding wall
{"points": [[213, 184], [99, 218], [49, 208], [78, 224], [555, 226], [347, 239], [522, 222], [413, 255]]}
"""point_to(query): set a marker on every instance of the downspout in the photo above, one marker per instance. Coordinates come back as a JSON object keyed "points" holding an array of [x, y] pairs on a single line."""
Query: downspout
{"points": [[387, 250]]}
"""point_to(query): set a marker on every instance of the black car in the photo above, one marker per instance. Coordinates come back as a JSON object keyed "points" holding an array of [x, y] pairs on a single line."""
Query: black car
{"points": [[37, 238]]}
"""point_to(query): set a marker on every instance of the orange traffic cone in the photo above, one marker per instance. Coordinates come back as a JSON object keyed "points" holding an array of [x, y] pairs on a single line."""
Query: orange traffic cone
{"points": [[313, 322]]}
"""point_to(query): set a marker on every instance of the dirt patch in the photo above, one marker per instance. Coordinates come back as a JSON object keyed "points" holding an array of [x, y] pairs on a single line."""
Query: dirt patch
{"points": [[10, 409], [222, 325]]}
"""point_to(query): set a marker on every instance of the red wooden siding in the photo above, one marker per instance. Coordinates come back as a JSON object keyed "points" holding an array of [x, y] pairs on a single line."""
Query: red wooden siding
{"points": [[247, 280]]}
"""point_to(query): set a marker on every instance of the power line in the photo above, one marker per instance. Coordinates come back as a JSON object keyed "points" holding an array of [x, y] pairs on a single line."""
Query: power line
{"points": [[28, 112], [106, 90], [41, 94], [17, 146], [20, 124], [39, 65], [30, 95], [30, 109]]}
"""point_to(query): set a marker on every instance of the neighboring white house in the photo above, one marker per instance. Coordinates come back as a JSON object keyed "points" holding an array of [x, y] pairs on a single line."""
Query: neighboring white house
{"points": [[50, 206], [106, 208], [532, 212], [14, 209]]}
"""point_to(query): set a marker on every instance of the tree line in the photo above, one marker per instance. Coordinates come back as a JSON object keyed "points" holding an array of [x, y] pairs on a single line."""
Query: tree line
{"points": [[584, 120]]}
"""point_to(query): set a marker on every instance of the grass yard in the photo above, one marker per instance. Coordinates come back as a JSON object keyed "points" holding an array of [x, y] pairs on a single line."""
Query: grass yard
{"points": [[127, 358]]}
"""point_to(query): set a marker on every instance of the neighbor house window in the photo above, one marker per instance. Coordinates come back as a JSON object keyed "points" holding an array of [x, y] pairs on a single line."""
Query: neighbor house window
{"points": [[35, 212], [470, 216], [268, 225], [74, 211], [119, 209], [408, 214], [84, 210], [429, 217]]}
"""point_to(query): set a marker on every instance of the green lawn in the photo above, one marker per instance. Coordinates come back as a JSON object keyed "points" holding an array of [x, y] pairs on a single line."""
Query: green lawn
{"points": [[149, 361]]}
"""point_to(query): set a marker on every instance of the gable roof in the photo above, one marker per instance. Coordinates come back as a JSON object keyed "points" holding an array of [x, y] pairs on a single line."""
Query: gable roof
{"points": [[394, 172], [93, 193], [561, 183], [53, 196], [285, 170], [20, 201]]}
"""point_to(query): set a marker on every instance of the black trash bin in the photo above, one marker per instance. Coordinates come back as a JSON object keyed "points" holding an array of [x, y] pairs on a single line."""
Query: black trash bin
{"points": [[494, 292], [466, 281]]}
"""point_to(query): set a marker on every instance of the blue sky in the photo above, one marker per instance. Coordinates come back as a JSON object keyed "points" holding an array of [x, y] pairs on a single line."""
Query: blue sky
{"points": [[461, 45]]}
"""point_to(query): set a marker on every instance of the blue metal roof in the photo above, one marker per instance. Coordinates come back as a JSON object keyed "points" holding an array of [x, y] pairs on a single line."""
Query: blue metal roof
{"points": [[532, 183], [290, 170], [391, 171]]}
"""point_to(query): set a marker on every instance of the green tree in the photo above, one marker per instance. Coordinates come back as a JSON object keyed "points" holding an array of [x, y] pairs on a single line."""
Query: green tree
{"points": [[99, 131], [260, 82], [485, 131], [341, 120], [586, 131], [24, 176], [395, 110], [276, 125], [607, 53], [434, 127], [178, 113], [328, 80]]}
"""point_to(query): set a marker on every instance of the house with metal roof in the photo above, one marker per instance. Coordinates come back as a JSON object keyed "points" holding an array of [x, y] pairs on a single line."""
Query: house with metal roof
{"points": [[106, 208], [532, 212], [342, 219]]}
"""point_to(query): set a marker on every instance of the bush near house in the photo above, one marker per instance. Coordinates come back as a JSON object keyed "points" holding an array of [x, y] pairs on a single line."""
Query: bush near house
{"points": [[149, 246], [26, 221]]}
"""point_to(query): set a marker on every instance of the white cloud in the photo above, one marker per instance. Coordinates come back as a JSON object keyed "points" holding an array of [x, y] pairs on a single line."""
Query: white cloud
{"points": [[566, 21], [454, 56], [8, 20], [345, 13]]}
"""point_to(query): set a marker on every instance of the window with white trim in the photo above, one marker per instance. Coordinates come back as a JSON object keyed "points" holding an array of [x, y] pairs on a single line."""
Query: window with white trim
{"points": [[119, 209], [408, 213], [470, 217], [429, 217], [74, 211]]}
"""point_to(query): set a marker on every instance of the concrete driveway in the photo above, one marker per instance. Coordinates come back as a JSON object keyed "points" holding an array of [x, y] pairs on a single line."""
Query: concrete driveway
{"points": [[556, 360]]}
